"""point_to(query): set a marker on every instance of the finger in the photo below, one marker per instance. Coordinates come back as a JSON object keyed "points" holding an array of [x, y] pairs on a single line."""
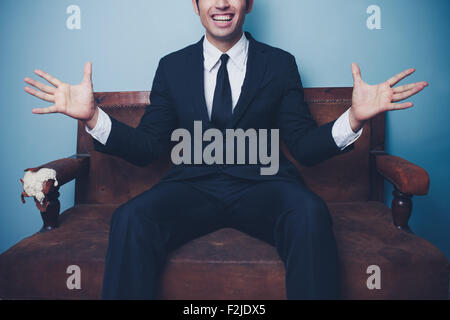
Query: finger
{"points": [[410, 86], [41, 86], [48, 77], [51, 109], [87, 77], [407, 94], [398, 77], [356, 73], [400, 106], [44, 96]]}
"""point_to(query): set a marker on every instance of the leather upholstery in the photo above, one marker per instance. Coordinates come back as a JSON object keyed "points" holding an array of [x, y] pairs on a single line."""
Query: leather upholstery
{"points": [[404, 175], [228, 264]]}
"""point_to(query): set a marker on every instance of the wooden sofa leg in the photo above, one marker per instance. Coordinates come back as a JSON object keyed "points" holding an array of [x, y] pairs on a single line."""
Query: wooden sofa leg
{"points": [[50, 213], [401, 210]]}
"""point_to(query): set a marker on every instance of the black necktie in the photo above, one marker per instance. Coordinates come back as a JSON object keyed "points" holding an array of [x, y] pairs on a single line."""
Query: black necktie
{"points": [[222, 103]]}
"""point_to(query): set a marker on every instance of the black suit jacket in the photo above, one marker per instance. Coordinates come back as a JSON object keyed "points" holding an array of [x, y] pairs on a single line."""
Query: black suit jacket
{"points": [[271, 97]]}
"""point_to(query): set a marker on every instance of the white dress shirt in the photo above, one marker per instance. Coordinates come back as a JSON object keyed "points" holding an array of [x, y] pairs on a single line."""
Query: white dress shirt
{"points": [[342, 133]]}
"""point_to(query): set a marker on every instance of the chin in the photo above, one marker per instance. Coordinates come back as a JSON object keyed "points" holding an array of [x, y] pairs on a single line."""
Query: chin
{"points": [[222, 34]]}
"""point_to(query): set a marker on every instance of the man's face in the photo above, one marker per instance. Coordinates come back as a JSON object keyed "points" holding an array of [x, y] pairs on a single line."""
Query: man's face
{"points": [[222, 19]]}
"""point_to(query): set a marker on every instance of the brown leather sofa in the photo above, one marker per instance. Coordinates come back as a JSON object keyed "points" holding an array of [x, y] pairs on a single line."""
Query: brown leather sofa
{"points": [[228, 264]]}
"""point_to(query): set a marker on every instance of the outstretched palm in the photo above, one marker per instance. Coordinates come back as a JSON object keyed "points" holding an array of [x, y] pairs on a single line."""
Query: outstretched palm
{"points": [[370, 100], [76, 101]]}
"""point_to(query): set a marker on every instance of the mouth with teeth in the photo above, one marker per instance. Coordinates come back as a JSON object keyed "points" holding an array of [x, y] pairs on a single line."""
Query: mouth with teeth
{"points": [[222, 20]]}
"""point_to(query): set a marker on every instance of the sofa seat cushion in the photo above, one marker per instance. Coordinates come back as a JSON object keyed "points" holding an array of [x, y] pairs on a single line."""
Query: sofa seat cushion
{"points": [[227, 264]]}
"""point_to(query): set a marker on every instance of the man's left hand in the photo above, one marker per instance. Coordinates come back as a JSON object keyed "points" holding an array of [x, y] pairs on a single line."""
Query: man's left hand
{"points": [[371, 100]]}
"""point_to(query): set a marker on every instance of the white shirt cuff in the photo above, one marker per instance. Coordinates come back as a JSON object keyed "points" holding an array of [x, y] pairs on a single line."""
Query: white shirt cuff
{"points": [[102, 128], [342, 132]]}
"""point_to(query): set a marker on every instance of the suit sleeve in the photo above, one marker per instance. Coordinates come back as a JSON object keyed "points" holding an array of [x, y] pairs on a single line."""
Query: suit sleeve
{"points": [[145, 143], [308, 143]]}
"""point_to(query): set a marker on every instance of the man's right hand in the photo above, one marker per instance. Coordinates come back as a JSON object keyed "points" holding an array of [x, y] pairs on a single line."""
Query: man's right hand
{"points": [[76, 101]]}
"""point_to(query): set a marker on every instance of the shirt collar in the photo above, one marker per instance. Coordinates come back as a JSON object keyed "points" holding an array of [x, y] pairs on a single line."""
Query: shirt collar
{"points": [[238, 53]]}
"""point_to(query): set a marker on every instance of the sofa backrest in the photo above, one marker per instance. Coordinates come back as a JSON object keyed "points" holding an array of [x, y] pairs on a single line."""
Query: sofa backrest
{"points": [[347, 177]]}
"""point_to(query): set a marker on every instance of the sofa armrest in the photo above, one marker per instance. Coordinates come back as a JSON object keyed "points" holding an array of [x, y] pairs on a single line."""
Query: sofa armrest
{"points": [[406, 177], [66, 170], [408, 180]]}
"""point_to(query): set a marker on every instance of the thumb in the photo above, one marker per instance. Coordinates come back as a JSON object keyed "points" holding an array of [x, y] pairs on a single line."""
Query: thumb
{"points": [[87, 77], [356, 73]]}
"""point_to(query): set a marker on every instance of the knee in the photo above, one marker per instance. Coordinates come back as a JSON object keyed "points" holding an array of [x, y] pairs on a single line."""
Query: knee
{"points": [[316, 211], [132, 229], [128, 215], [131, 224], [121, 216], [311, 214], [307, 223]]}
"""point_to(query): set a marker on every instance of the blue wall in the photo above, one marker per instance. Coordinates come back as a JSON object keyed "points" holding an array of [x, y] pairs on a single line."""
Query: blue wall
{"points": [[126, 39]]}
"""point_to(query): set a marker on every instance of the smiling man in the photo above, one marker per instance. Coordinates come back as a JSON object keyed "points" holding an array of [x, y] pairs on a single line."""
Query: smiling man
{"points": [[227, 80]]}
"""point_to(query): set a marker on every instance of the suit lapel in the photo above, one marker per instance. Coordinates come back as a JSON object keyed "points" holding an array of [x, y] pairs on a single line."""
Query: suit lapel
{"points": [[195, 65], [256, 67]]}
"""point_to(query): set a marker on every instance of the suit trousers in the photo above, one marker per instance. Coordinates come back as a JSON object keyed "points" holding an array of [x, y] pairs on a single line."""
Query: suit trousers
{"points": [[283, 213]]}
